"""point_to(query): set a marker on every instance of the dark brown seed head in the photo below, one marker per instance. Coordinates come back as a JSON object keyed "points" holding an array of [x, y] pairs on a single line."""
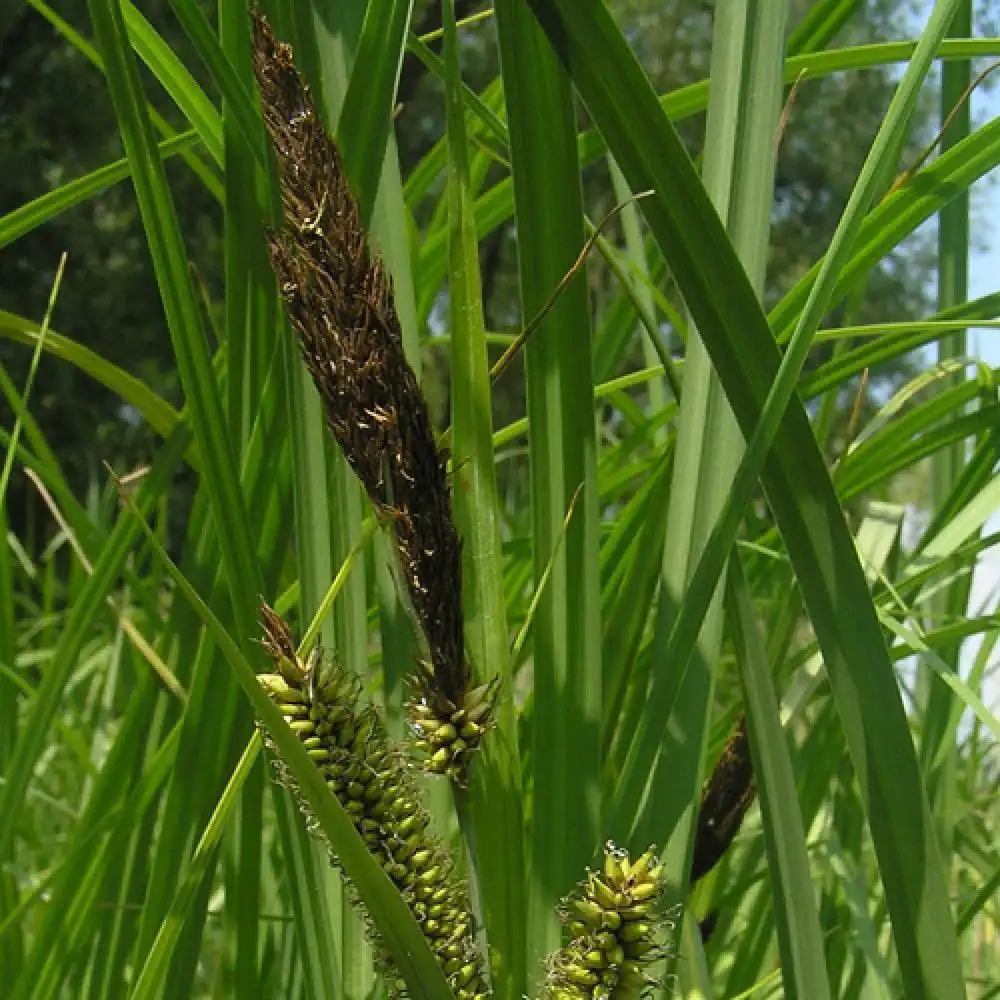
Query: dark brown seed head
{"points": [[340, 302]]}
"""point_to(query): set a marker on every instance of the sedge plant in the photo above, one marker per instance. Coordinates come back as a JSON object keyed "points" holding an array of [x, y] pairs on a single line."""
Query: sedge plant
{"points": [[652, 689]]}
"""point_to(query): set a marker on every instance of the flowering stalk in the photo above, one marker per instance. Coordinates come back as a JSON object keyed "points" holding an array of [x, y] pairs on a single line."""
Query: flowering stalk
{"points": [[340, 303], [320, 701], [728, 794], [614, 922]]}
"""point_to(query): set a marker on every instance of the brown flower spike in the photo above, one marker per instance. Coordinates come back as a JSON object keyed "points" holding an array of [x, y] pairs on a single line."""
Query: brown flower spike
{"points": [[340, 303], [726, 797], [321, 703]]}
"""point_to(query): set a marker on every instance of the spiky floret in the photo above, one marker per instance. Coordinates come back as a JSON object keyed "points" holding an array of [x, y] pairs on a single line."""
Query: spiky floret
{"points": [[449, 730], [615, 927], [321, 703]]}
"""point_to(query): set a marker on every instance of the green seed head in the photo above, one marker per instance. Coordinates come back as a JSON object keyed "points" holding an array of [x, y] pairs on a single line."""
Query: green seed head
{"points": [[614, 932], [450, 730], [371, 781]]}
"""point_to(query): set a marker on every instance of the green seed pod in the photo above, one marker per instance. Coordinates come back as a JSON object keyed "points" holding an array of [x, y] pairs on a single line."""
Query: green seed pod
{"points": [[405, 850], [612, 925], [364, 731], [640, 911], [466, 974], [444, 733], [430, 876], [613, 873], [640, 869], [588, 911], [471, 732], [278, 689], [634, 931], [580, 976], [399, 873], [337, 715], [603, 895], [421, 858], [644, 949], [615, 956], [402, 806], [630, 974], [643, 891]]}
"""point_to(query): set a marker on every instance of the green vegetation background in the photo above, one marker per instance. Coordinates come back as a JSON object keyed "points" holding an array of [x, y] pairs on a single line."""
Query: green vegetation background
{"points": [[58, 123]]}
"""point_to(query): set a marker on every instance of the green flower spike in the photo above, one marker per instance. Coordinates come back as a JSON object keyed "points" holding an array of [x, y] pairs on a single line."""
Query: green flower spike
{"points": [[615, 924], [449, 730], [370, 778]]}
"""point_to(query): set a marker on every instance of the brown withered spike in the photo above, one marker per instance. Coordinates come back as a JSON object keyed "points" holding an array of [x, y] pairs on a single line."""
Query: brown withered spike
{"points": [[340, 302], [727, 796]]}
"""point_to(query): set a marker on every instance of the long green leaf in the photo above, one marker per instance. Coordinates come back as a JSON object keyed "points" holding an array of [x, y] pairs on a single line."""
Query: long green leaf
{"points": [[240, 106], [173, 76], [800, 939], [366, 117], [183, 317], [739, 177], [205, 172], [28, 217], [158, 413], [940, 767], [150, 978], [564, 833], [496, 835], [804, 503]]}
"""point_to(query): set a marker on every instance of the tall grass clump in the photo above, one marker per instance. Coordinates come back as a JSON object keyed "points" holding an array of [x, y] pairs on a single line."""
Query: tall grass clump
{"points": [[675, 682]]}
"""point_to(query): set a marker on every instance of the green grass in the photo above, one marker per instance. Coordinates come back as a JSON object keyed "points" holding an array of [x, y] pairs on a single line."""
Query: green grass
{"points": [[145, 850]]}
